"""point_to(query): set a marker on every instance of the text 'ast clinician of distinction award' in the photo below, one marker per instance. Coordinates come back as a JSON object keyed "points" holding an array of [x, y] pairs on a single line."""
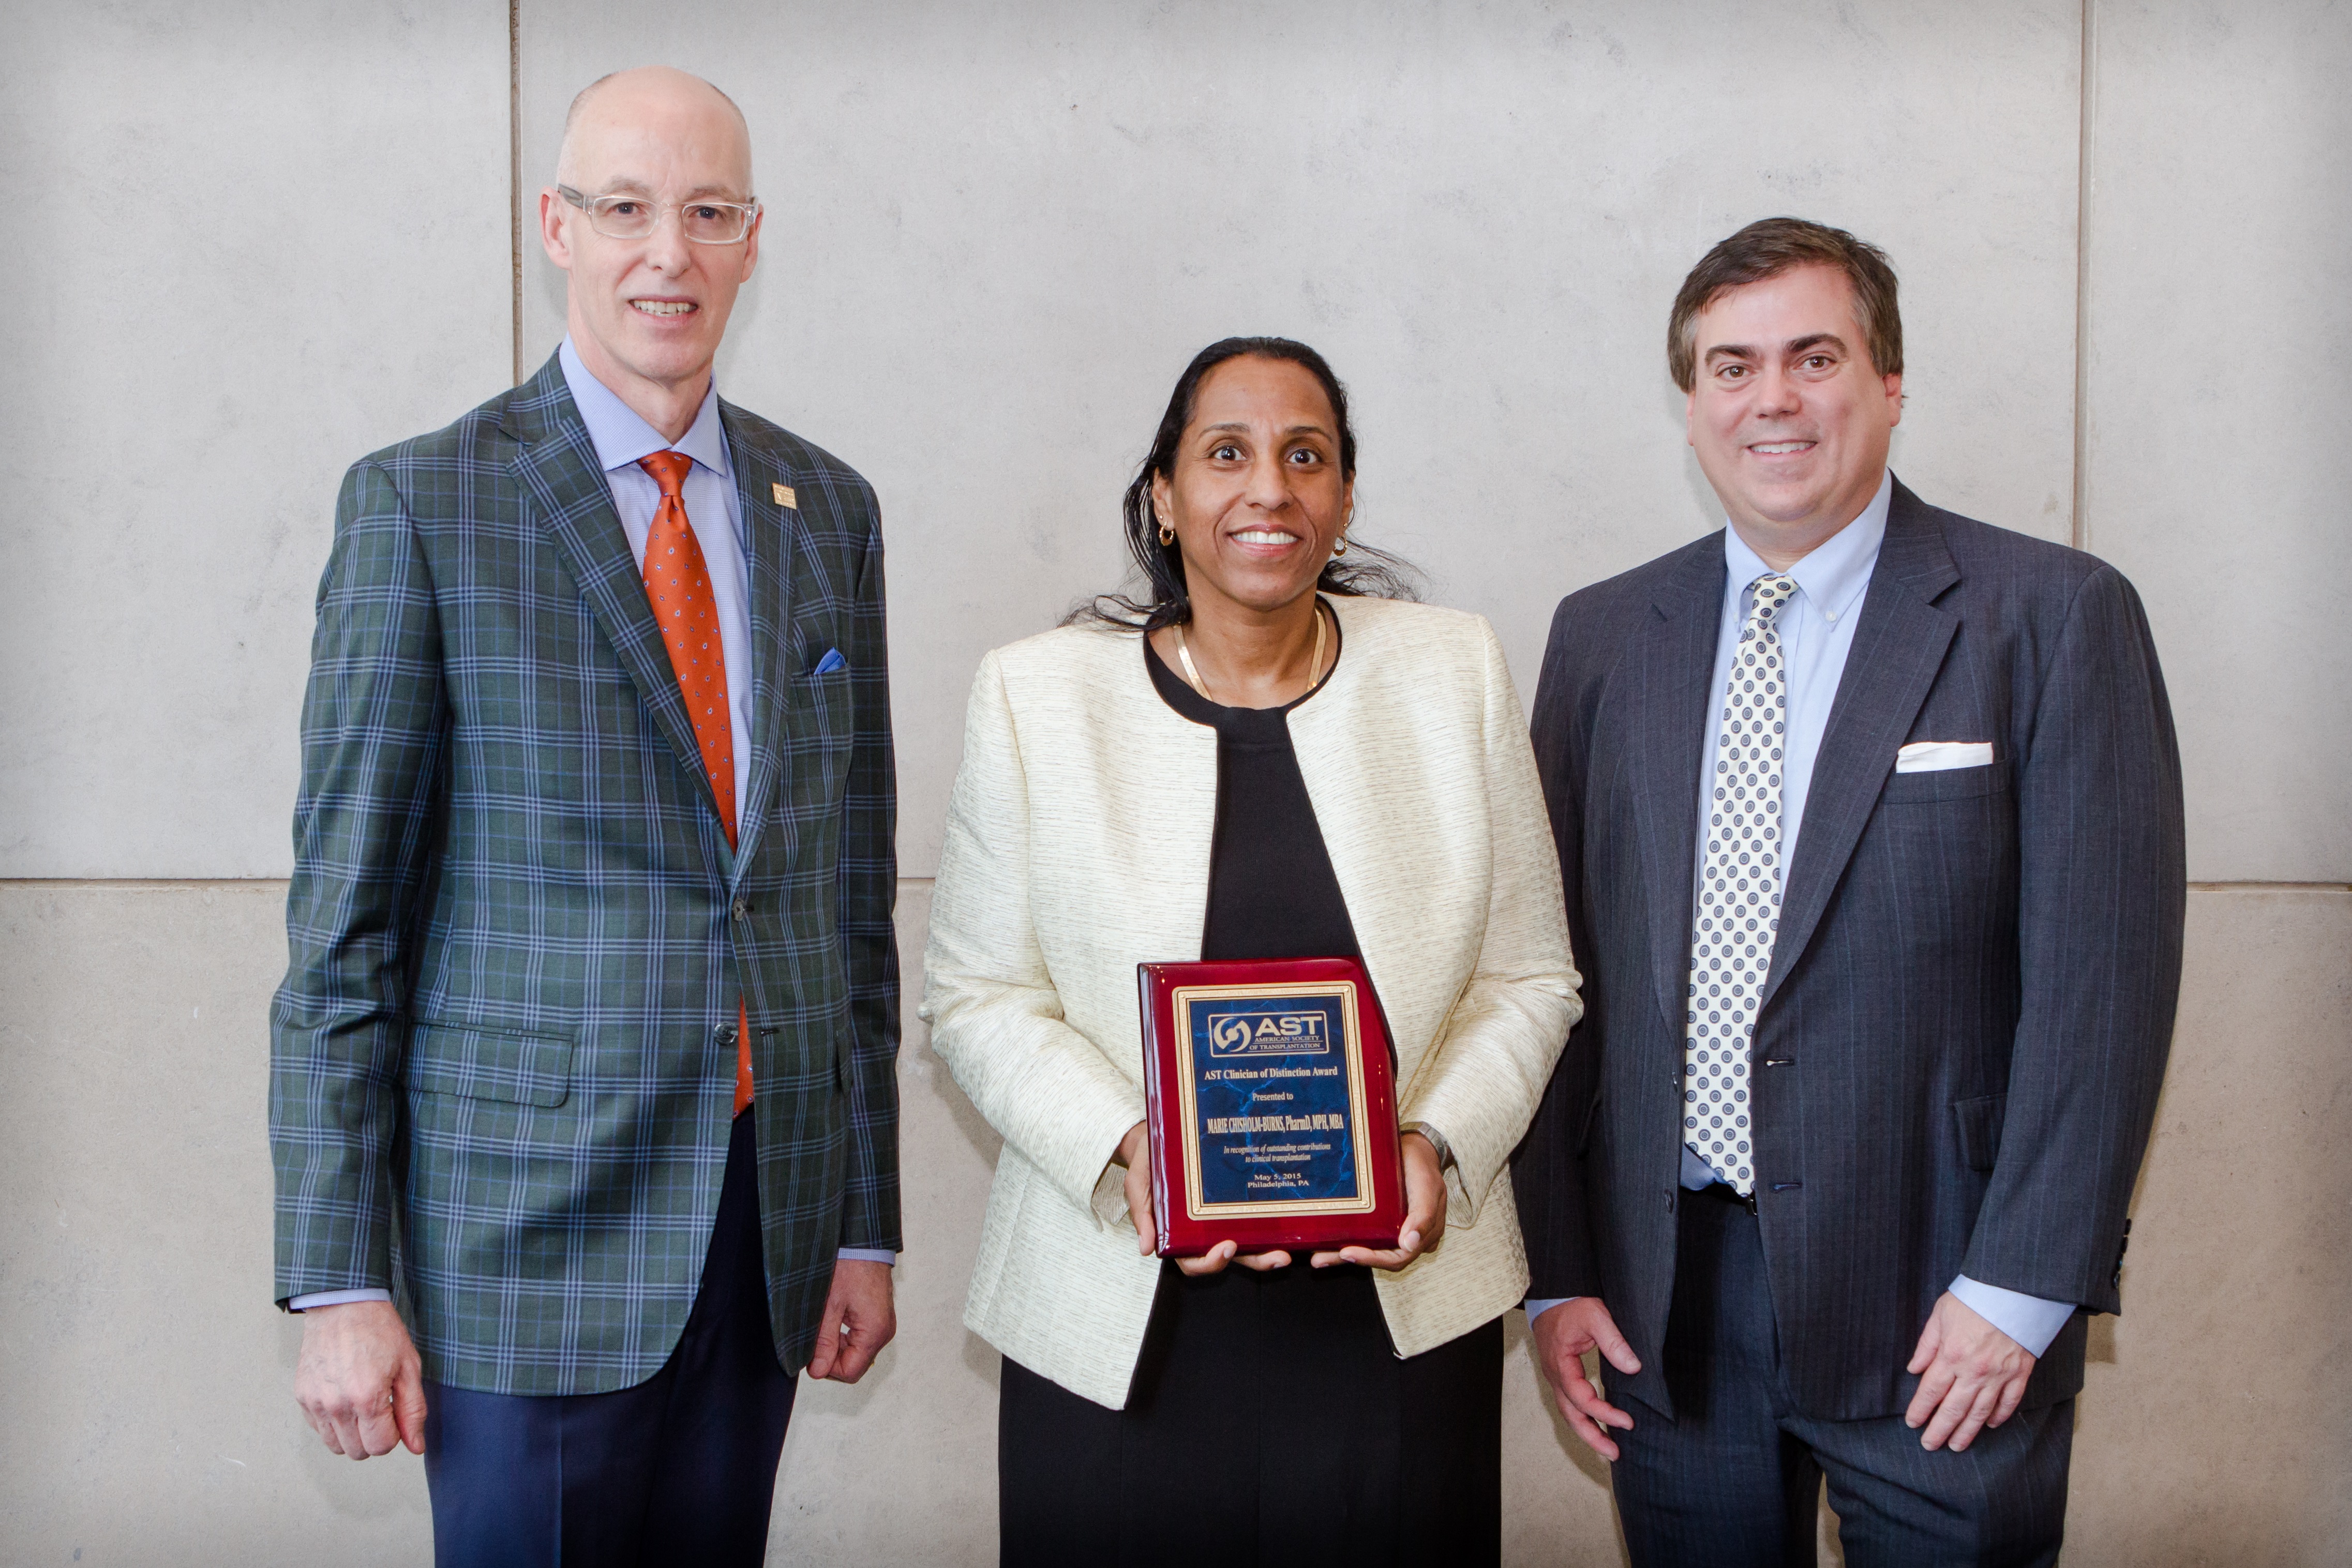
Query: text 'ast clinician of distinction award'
{"points": [[1272, 1106]]}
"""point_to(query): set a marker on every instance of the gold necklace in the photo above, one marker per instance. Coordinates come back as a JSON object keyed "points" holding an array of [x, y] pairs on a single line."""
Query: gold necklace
{"points": [[1192, 671]]}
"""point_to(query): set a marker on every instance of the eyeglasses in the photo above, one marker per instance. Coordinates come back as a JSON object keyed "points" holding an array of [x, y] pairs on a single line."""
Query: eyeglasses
{"points": [[635, 217]]}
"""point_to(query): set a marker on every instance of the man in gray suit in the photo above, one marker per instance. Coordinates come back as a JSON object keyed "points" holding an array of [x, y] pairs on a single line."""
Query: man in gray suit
{"points": [[1870, 827]]}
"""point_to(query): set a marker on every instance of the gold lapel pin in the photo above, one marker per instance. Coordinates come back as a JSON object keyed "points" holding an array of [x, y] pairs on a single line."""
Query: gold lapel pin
{"points": [[785, 496]]}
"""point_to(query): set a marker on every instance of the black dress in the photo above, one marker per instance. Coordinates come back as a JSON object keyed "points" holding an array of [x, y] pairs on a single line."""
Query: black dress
{"points": [[1270, 1420]]}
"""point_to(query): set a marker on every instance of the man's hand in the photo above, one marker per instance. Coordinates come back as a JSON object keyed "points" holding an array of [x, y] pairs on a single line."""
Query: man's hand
{"points": [[1133, 1153], [1424, 1213], [1563, 1335], [859, 1320], [1972, 1377], [358, 1379]]}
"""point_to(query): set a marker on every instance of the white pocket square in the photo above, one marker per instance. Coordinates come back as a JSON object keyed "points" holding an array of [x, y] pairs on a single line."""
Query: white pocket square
{"points": [[1935, 756]]}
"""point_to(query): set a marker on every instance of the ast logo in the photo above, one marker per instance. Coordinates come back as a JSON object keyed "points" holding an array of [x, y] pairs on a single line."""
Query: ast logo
{"points": [[1302, 1033]]}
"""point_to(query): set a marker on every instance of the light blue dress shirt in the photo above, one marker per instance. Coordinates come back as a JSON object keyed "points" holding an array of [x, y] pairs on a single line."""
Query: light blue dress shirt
{"points": [[715, 512], [1816, 631]]}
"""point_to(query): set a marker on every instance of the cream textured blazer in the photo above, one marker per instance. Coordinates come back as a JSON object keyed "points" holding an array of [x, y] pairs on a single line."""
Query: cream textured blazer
{"points": [[1078, 846]]}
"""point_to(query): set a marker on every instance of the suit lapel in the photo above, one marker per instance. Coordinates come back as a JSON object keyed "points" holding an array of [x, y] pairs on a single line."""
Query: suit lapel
{"points": [[1673, 664], [1898, 646], [774, 538], [560, 475]]}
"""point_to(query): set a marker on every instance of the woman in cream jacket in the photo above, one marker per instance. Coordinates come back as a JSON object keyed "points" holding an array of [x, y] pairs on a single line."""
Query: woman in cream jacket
{"points": [[1242, 767]]}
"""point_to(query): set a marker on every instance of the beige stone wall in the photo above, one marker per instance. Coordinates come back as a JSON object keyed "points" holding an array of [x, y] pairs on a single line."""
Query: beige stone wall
{"points": [[278, 234]]}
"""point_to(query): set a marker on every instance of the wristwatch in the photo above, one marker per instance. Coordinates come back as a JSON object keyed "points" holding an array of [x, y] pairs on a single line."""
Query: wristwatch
{"points": [[1436, 1141]]}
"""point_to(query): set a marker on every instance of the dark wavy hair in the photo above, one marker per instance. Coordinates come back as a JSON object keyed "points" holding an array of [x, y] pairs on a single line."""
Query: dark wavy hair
{"points": [[1769, 248], [1163, 599]]}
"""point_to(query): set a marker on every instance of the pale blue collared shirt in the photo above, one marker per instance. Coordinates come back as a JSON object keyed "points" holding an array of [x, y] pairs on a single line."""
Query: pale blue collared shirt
{"points": [[1816, 629], [714, 511]]}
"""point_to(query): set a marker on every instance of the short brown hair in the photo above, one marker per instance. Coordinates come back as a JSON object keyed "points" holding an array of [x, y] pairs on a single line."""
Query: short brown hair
{"points": [[1769, 248]]}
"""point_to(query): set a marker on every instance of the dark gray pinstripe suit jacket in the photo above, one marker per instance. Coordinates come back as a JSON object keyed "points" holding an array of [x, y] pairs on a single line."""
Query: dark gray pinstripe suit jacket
{"points": [[502, 1061], [1960, 1042]]}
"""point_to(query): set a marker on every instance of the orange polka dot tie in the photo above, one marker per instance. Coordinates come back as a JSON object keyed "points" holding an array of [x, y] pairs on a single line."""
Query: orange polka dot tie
{"points": [[677, 584]]}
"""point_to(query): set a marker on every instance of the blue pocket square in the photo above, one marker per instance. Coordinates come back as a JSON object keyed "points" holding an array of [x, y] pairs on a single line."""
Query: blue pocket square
{"points": [[831, 662]]}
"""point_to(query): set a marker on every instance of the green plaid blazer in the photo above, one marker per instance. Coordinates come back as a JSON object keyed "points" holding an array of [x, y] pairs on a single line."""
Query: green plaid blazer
{"points": [[502, 1063]]}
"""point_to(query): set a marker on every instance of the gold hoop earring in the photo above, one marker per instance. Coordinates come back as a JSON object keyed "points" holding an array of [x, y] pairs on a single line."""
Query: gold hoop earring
{"points": [[1167, 534], [1341, 546]]}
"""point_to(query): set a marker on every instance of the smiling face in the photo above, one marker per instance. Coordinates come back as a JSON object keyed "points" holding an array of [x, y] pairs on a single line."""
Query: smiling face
{"points": [[646, 315], [1790, 419], [1257, 498]]}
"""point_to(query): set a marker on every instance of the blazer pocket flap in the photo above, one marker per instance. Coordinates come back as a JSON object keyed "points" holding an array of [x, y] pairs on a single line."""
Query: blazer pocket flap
{"points": [[1979, 1122], [1945, 784], [490, 1064]]}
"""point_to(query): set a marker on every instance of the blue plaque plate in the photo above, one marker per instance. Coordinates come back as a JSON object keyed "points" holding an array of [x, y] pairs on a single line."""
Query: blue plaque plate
{"points": [[1273, 1113]]}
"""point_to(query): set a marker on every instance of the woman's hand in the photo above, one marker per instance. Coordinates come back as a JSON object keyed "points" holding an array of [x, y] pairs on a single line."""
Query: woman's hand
{"points": [[1133, 1150], [1424, 1212]]}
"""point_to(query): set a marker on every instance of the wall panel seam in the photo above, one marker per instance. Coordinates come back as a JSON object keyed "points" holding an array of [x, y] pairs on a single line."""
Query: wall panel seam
{"points": [[514, 179], [2087, 77]]}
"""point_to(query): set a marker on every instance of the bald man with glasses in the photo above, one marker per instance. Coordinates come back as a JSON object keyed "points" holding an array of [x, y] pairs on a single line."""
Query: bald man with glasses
{"points": [[583, 1096]]}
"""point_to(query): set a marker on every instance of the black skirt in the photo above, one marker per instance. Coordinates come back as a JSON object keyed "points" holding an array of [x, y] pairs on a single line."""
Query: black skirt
{"points": [[1269, 1422]]}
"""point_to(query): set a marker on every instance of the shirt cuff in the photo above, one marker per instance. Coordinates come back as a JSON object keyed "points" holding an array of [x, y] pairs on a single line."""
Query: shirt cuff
{"points": [[337, 1298], [1540, 1305], [2029, 1319], [869, 1255]]}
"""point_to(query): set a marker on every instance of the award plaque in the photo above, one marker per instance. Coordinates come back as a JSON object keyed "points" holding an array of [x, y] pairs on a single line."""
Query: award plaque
{"points": [[1272, 1106]]}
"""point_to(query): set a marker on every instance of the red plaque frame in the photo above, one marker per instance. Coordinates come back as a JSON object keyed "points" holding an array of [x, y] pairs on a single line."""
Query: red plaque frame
{"points": [[1188, 1226]]}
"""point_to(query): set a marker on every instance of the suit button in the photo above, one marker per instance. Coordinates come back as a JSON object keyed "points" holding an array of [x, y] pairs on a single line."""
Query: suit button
{"points": [[743, 909], [724, 1034], [1670, 1200]]}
